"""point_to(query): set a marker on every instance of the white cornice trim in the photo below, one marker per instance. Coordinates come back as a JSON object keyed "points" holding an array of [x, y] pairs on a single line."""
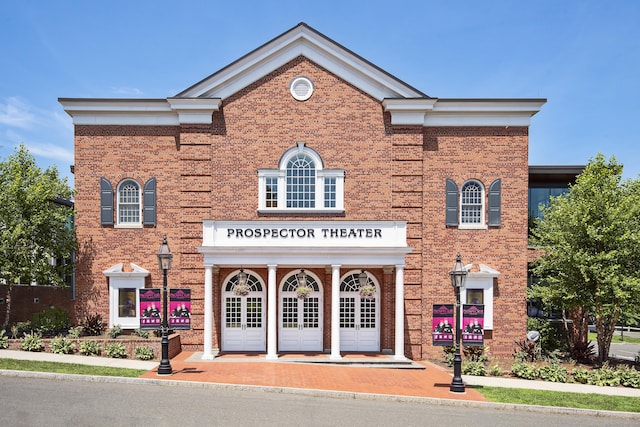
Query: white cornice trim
{"points": [[462, 112], [301, 41], [140, 112]]}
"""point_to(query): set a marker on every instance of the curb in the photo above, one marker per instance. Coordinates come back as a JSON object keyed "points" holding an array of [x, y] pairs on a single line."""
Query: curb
{"points": [[323, 393]]}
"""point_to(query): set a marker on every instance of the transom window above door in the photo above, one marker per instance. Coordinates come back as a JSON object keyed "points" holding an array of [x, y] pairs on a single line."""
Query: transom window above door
{"points": [[301, 183]]}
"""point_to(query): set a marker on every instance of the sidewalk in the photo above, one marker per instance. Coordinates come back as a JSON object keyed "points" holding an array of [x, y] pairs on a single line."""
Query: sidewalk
{"points": [[291, 372]]}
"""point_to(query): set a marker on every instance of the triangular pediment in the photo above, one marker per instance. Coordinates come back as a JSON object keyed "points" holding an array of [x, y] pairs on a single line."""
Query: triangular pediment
{"points": [[301, 40]]}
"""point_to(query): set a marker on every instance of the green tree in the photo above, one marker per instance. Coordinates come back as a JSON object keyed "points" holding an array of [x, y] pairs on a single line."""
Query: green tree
{"points": [[35, 228], [590, 239]]}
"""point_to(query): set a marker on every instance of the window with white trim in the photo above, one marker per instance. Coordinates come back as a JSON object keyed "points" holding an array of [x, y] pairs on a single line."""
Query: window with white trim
{"points": [[128, 202], [472, 204], [301, 183]]}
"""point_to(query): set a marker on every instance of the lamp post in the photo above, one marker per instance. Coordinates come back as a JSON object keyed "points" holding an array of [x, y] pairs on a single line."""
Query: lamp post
{"points": [[164, 261], [458, 275]]}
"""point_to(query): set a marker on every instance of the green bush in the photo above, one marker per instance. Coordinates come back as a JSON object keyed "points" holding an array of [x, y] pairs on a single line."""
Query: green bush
{"points": [[553, 373], [75, 332], [552, 336], [116, 350], [62, 345], [93, 325], [524, 371], [142, 333], [474, 368], [4, 340], [476, 353], [51, 321], [20, 329], [629, 377], [580, 375], [115, 331], [605, 376], [144, 353], [495, 371], [32, 342], [89, 348]]}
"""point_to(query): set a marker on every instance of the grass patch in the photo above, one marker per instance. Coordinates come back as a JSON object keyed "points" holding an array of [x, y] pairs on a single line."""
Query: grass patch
{"points": [[68, 368], [616, 338], [599, 402]]}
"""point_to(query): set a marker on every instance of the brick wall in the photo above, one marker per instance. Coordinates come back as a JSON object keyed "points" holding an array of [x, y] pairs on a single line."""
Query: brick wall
{"points": [[392, 173]]}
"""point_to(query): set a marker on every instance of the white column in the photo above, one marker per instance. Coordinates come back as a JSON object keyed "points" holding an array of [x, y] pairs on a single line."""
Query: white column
{"points": [[272, 309], [335, 313], [399, 350], [208, 313]]}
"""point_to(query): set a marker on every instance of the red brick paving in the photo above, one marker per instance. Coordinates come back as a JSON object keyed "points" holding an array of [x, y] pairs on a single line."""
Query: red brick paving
{"points": [[430, 382]]}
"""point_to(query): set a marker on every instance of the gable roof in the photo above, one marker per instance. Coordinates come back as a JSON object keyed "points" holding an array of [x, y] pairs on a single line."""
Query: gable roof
{"points": [[301, 40], [405, 104]]}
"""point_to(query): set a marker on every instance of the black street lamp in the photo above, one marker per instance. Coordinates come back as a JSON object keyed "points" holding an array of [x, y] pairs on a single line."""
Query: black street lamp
{"points": [[458, 275], [164, 261]]}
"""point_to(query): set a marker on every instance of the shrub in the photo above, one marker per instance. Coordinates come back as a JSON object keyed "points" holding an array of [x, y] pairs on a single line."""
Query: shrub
{"points": [[449, 352], [580, 375], [115, 331], [495, 371], [475, 353], [62, 345], [51, 321], [142, 333], [116, 350], [4, 340], [144, 353], [474, 368], [93, 325], [524, 370], [552, 335], [553, 373], [527, 351], [629, 377], [75, 332], [605, 376], [89, 348], [20, 329], [32, 342]]}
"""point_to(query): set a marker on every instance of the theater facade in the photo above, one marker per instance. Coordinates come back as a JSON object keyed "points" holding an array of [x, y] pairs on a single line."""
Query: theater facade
{"points": [[303, 167]]}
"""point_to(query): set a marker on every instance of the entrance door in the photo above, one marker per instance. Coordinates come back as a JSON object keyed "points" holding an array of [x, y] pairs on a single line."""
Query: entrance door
{"points": [[300, 318], [243, 323], [359, 316]]}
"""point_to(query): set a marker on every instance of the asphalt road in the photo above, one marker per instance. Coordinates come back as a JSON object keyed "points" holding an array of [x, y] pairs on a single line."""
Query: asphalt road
{"points": [[63, 402]]}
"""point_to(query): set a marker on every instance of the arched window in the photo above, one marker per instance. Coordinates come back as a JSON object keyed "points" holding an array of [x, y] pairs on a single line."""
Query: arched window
{"points": [[472, 203], [301, 183], [129, 208]]}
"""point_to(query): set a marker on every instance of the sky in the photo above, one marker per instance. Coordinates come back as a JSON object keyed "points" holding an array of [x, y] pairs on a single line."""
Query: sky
{"points": [[583, 56]]}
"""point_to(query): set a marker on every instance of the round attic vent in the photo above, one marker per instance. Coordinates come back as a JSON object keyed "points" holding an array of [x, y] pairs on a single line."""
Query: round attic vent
{"points": [[301, 88]]}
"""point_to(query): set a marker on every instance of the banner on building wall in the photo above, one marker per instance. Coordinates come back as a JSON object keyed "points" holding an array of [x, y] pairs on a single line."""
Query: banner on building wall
{"points": [[180, 309], [442, 324], [150, 316], [473, 324]]}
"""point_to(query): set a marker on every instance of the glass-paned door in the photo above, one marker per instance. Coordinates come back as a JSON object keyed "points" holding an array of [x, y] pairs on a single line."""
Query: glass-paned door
{"points": [[243, 326], [300, 319], [359, 316]]}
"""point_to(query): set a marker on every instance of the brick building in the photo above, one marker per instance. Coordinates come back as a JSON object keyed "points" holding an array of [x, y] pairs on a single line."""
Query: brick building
{"points": [[302, 156]]}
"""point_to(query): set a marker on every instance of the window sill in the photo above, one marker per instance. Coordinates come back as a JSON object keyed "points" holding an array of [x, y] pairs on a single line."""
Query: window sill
{"points": [[303, 212], [473, 227], [128, 226]]}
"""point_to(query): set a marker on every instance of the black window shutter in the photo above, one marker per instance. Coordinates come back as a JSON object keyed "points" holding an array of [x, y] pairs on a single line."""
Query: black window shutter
{"points": [[452, 203], [495, 207], [149, 197], [106, 202]]}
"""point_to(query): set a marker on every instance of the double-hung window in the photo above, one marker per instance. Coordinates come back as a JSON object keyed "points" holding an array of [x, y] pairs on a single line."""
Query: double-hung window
{"points": [[301, 183]]}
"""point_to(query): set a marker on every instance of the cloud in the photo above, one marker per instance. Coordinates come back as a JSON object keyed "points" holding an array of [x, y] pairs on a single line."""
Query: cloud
{"points": [[51, 151], [126, 91], [16, 113]]}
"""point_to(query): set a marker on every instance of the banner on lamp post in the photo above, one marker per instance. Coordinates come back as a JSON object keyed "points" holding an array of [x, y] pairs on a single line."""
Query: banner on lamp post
{"points": [[150, 316], [180, 308], [473, 324], [442, 324]]}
